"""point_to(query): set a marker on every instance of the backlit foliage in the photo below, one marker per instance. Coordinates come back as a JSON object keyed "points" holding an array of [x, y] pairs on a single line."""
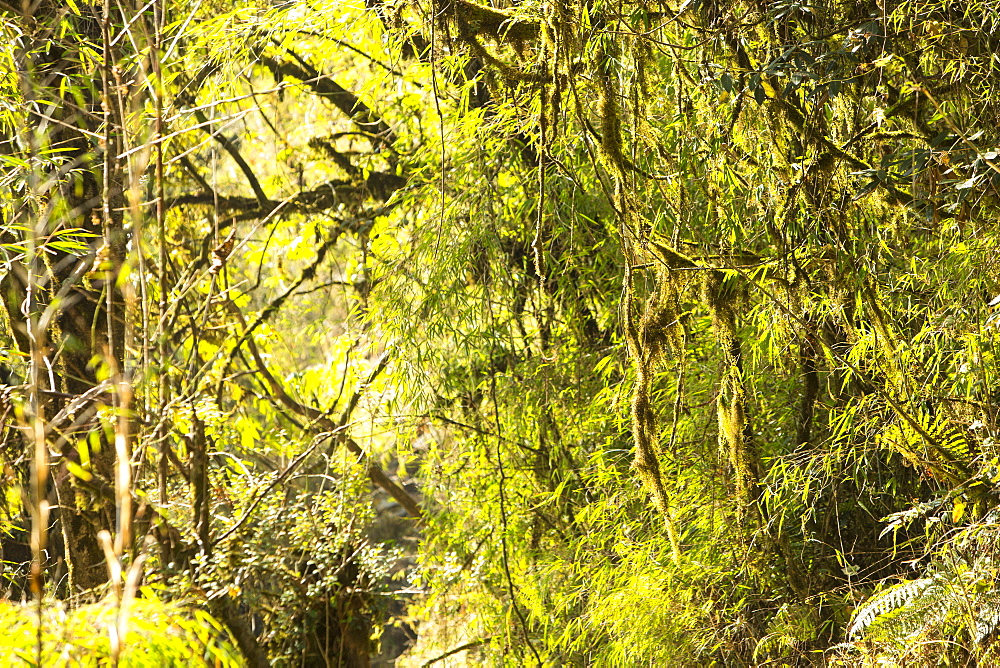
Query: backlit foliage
{"points": [[559, 332]]}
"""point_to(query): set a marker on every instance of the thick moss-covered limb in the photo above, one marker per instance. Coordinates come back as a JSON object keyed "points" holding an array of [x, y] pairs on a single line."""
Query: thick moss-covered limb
{"points": [[736, 438], [661, 333], [669, 257], [496, 24], [378, 186], [645, 459], [610, 148], [612, 152]]}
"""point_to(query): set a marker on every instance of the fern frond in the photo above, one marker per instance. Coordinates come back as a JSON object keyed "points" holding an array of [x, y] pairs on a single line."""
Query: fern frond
{"points": [[885, 602], [987, 617], [906, 517], [938, 446]]}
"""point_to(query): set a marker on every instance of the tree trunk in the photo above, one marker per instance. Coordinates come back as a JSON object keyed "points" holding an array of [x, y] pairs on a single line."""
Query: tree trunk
{"points": [[69, 290]]}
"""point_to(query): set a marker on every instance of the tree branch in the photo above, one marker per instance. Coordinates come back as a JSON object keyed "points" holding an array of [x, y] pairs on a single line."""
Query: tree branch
{"points": [[379, 186], [456, 650], [230, 148], [379, 477], [328, 89], [495, 23]]}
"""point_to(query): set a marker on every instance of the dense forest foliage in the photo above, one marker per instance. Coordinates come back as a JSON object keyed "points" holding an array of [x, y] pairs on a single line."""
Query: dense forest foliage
{"points": [[537, 332]]}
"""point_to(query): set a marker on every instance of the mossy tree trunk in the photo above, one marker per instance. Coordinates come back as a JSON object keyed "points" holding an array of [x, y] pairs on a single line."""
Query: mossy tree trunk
{"points": [[70, 292]]}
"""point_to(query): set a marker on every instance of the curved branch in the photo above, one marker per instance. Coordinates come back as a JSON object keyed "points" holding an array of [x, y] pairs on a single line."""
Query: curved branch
{"points": [[379, 186], [328, 89], [375, 473], [455, 650], [230, 148]]}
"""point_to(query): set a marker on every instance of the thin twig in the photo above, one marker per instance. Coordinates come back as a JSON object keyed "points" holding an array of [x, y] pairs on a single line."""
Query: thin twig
{"points": [[278, 479], [456, 650]]}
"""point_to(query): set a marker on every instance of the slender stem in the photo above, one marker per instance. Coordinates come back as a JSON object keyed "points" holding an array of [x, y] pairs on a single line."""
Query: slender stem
{"points": [[163, 393]]}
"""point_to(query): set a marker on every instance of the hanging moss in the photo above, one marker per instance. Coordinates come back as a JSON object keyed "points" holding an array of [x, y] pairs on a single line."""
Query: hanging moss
{"points": [[735, 433], [611, 125], [646, 338], [661, 332]]}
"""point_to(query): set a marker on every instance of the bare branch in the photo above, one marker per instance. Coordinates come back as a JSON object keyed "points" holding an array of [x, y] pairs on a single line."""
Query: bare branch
{"points": [[375, 473], [230, 148], [324, 86]]}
